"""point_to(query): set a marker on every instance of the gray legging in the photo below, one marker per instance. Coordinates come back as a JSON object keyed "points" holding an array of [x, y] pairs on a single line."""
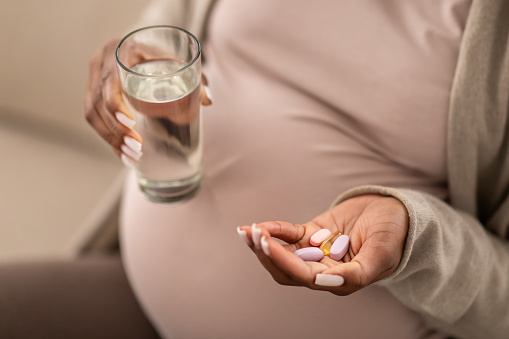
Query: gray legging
{"points": [[87, 298]]}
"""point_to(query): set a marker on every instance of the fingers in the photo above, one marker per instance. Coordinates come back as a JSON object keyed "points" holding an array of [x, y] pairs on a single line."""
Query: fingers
{"points": [[206, 96], [116, 117], [288, 232], [252, 236], [284, 266], [111, 88], [105, 110], [300, 272]]}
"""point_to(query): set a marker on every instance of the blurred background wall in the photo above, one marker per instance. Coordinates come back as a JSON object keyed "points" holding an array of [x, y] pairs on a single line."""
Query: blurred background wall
{"points": [[57, 176]]}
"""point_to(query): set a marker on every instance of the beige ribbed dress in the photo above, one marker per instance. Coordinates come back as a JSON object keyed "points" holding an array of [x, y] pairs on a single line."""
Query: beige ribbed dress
{"points": [[311, 98]]}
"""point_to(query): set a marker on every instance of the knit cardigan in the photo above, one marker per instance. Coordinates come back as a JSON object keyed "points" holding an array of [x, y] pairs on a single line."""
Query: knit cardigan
{"points": [[455, 266]]}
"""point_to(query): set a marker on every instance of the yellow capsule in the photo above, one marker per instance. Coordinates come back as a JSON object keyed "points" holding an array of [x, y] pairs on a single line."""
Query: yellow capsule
{"points": [[327, 243]]}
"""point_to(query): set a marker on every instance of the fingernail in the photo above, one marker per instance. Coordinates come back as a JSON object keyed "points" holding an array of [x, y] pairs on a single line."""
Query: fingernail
{"points": [[127, 161], [209, 94], [329, 280], [265, 246], [133, 144], [129, 152], [243, 235], [257, 234], [125, 120]]}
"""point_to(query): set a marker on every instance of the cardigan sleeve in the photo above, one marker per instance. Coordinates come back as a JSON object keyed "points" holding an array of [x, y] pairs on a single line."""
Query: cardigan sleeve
{"points": [[453, 271]]}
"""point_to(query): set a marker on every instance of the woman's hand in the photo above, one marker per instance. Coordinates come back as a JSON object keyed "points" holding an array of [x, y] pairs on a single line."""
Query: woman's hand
{"points": [[377, 227], [105, 109]]}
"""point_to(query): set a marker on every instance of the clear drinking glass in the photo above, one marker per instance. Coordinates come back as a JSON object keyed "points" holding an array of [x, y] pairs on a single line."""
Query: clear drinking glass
{"points": [[160, 74]]}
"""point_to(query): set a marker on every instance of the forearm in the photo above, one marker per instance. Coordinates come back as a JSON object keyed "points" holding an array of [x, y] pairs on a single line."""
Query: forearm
{"points": [[452, 271]]}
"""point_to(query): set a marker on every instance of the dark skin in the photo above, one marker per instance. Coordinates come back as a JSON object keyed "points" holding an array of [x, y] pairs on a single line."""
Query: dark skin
{"points": [[377, 227], [103, 96]]}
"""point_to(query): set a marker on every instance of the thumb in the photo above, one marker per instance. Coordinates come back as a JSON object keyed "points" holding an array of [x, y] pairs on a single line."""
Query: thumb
{"points": [[206, 96]]}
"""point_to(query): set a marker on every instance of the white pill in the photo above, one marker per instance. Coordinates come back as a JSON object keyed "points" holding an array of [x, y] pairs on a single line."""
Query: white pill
{"points": [[339, 247], [310, 254]]}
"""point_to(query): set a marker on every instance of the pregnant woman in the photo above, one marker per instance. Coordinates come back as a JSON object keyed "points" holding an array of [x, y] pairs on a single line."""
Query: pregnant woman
{"points": [[311, 100], [397, 105]]}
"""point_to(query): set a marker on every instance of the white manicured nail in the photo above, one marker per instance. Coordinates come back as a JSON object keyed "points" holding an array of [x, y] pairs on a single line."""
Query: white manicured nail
{"points": [[209, 94], [129, 152], [329, 280], [133, 144], [256, 234], [265, 246], [127, 161], [125, 120], [243, 235]]}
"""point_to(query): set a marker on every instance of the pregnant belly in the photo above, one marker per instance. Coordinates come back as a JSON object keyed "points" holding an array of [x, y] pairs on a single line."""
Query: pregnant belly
{"points": [[196, 279], [279, 158]]}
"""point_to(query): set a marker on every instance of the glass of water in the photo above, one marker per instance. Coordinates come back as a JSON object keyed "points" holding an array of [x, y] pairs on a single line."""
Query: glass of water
{"points": [[160, 74]]}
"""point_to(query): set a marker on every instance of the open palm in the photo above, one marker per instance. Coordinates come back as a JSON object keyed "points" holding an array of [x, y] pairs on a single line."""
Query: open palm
{"points": [[377, 227]]}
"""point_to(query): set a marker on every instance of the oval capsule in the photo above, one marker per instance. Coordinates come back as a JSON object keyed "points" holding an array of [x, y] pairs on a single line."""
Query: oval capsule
{"points": [[318, 237], [327, 243], [339, 247], [309, 254]]}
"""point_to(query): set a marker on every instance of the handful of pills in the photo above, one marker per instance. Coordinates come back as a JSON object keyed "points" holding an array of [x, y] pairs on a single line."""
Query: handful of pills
{"points": [[326, 244]]}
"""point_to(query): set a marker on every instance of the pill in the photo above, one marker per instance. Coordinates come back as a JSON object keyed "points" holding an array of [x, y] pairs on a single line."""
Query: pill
{"points": [[339, 247], [317, 238], [327, 243], [309, 254]]}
